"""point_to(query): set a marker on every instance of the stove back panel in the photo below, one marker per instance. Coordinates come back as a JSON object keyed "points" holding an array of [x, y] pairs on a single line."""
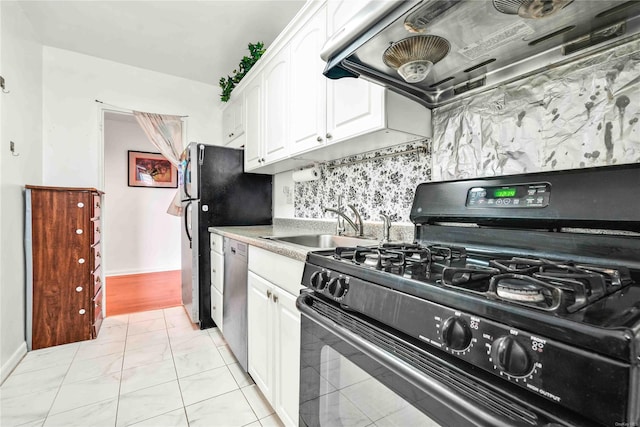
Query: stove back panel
{"points": [[604, 197]]}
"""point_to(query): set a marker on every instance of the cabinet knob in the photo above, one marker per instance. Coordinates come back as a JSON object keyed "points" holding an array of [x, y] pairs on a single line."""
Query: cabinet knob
{"points": [[79, 231], [319, 139], [231, 134], [81, 205], [275, 298], [79, 289], [268, 294], [329, 136], [82, 311], [97, 229], [97, 204], [98, 255], [81, 261]]}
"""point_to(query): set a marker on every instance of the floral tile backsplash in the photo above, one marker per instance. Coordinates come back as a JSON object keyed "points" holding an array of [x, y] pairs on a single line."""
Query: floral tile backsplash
{"points": [[381, 181]]}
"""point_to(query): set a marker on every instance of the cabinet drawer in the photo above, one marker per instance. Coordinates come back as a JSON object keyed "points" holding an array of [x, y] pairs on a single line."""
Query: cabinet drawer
{"points": [[96, 253], [96, 231], [97, 313], [97, 280], [97, 208], [216, 307], [280, 270], [217, 271], [216, 243]]}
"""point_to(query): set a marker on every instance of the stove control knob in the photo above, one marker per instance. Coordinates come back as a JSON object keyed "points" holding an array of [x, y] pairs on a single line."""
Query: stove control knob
{"points": [[338, 287], [456, 333], [319, 280], [511, 357]]}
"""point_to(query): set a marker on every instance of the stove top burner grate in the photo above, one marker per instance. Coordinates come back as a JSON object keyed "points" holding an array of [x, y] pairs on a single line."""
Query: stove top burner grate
{"points": [[555, 286]]}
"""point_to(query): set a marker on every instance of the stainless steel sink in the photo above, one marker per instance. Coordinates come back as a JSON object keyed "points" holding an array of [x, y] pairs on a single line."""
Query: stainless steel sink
{"points": [[323, 241]]}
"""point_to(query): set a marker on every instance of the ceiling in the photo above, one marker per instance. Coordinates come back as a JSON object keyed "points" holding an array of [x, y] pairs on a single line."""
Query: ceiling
{"points": [[198, 40]]}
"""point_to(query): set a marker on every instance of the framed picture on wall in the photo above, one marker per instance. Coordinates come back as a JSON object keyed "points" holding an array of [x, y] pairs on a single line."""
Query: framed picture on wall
{"points": [[151, 170]]}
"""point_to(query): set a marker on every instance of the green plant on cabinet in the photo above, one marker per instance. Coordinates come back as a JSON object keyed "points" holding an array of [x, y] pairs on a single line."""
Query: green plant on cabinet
{"points": [[230, 82]]}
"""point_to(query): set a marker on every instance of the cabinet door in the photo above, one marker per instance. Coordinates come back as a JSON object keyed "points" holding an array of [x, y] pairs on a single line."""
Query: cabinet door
{"points": [[260, 334], [216, 307], [308, 86], [354, 106], [253, 123], [233, 119], [287, 356], [276, 107]]}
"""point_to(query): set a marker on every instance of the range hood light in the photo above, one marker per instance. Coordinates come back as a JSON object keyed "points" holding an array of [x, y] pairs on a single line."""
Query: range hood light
{"points": [[531, 9], [415, 71], [414, 57]]}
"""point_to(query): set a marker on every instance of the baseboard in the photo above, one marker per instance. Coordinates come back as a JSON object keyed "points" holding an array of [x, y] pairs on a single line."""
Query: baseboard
{"points": [[130, 272], [13, 361]]}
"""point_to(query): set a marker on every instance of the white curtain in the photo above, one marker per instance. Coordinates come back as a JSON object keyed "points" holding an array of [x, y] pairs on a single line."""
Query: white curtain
{"points": [[165, 132]]}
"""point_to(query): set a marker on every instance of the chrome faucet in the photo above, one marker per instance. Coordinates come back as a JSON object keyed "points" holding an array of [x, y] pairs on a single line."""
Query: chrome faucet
{"points": [[386, 228], [340, 228]]}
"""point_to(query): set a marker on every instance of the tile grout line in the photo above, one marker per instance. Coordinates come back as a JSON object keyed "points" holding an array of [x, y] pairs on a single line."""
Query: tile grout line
{"points": [[115, 422], [184, 407], [60, 386]]}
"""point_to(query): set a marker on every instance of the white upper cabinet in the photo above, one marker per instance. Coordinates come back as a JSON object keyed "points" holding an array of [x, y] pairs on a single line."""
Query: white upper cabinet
{"points": [[253, 123], [340, 12], [308, 85], [306, 117], [233, 120], [275, 80]]}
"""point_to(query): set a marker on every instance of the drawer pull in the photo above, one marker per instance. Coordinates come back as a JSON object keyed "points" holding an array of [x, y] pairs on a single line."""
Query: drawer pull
{"points": [[275, 298], [81, 261], [81, 205], [79, 231], [97, 229], [268, 294], [82, 311], [98, 255], [98, 280], [79, 289], [97, 204]]}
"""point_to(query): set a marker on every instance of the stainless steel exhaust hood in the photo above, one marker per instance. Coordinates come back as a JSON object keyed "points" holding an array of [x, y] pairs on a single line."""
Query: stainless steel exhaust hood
{"points": [[437, 51]]}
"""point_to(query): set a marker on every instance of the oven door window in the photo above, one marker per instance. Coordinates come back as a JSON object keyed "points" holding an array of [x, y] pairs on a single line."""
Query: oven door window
{"points": [[347, 395]]}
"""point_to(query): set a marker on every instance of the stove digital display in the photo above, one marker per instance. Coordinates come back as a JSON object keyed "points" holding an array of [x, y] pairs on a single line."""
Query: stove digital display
{"points": [[504, 192], [529, 195]]}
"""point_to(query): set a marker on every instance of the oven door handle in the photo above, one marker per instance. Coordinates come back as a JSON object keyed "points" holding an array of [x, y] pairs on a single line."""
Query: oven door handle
{"points": [[477, 415]]}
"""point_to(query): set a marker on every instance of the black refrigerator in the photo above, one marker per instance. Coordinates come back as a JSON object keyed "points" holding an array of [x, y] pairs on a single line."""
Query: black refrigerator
{"points": [[214, 191]]}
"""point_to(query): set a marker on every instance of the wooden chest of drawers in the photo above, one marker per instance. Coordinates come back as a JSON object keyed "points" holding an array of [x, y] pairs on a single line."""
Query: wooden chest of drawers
{"points": [[64, 283]]}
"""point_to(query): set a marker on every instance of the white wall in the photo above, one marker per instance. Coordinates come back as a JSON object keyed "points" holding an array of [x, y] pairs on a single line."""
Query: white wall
{"points": [[21, 122], [141, 236], [72, 82]]}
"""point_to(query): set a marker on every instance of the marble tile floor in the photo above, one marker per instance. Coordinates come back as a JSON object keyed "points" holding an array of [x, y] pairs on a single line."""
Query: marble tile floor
{"points": [[144, 369]]}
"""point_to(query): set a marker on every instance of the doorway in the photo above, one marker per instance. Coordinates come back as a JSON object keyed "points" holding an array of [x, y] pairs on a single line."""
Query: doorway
{"points": [[141, 258]]}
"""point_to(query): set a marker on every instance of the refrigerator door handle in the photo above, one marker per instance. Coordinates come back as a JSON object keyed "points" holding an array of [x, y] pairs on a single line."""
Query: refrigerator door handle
{"points": [[201, 155], [187, 223], [186, 178]]}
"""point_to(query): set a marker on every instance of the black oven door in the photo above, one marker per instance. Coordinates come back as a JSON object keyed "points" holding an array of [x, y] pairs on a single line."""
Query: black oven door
{"points": [[354, 372]]}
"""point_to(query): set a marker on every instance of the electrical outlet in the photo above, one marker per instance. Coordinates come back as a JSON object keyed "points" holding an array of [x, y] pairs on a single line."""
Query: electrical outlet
{"points": [[288, 194]]}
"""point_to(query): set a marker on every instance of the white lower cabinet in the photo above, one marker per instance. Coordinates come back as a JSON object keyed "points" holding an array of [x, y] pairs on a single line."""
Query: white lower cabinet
{"points": [[216, 307], [217, 278], [274, 330]]}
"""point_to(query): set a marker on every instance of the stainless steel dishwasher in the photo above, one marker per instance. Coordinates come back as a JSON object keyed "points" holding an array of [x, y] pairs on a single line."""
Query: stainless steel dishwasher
{"points": [[234, 299]]}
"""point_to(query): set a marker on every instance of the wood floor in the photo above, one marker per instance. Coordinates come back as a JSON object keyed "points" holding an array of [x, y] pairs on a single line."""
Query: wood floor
{"points": [[143, 292]]}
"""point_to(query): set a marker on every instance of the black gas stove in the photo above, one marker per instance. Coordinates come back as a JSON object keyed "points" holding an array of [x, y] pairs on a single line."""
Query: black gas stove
{"points": [[527, 284]]}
